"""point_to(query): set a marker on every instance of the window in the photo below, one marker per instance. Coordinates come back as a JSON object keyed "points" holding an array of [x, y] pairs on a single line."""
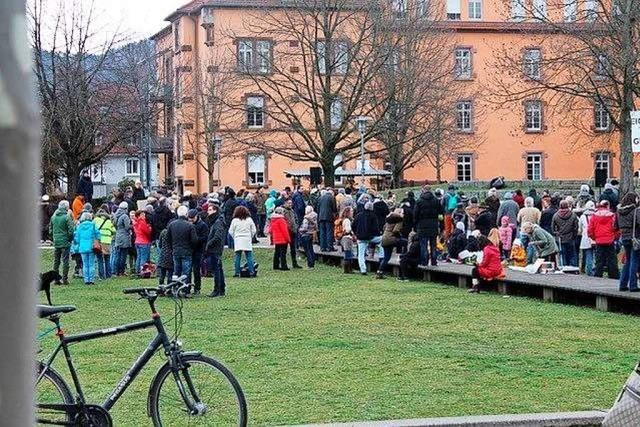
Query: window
{"points": [[245, 55], [336, 113], [531, 62], [421, 8], [255, 111], [603, 162], [178, 86], [570, 10], [176, 36], [208, 34], [601, 117], [254, 56], [338, 57], [475, 10], [399, 9], [168, 120], [465, 167], [533, 116], [132, 166], [263, 60], [603, 66], [463, 63], [453, 10], [591, 10], [540, 9], [168, 71], [534, 166], [256, 169], [337, 162], [517, 10], [463, 116]]}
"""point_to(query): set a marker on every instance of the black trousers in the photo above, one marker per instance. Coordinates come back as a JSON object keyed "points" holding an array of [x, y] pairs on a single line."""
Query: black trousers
{"points": [[606, 255], [407, 265], [164, 273], [293, 247], [280, 257], [196, 261]]}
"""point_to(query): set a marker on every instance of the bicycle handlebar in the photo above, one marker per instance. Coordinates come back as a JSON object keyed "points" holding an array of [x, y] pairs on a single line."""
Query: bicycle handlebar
{"points": [[177, 288]]}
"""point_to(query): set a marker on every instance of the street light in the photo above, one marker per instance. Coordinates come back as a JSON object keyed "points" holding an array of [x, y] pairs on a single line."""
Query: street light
{"points": [[361, 124], [217, 146]]}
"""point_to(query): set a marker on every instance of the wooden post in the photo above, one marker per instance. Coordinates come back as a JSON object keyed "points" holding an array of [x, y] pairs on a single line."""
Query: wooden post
{"points": [[602, 303], [503, 288], [427, 275], [548, 294], [462, 282]]}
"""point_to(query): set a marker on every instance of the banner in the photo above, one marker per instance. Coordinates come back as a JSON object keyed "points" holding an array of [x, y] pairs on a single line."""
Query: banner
{"points": [[635, 131]]}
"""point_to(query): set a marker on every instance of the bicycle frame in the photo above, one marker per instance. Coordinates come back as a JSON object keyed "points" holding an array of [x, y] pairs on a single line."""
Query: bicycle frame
{"points": [[160, 340]]}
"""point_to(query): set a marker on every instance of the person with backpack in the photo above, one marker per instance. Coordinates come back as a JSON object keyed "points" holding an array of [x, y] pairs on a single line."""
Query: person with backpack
{"points": [[391, 236], [450, 202]]}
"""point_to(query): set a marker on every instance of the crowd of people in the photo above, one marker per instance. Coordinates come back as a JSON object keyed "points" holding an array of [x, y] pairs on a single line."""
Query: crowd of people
{"points": [[167, 235]]}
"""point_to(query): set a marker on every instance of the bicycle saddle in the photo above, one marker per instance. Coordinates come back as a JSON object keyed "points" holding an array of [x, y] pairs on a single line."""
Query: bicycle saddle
{"points": [[45, 311]]}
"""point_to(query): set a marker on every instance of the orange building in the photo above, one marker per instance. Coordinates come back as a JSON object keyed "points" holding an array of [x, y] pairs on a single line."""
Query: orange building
{"points": [[527, 140]]}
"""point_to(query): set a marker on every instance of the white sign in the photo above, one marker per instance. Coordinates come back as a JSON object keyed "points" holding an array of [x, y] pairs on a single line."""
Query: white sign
{"points": [[635, 131]]}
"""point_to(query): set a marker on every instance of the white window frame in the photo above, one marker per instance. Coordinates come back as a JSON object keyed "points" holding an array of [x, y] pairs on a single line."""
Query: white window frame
{"points": [[464, 116], [591, 10], [539, 10], [602, 160], [464, 167], [321, 53], [339, 56], [570, 10], [263, 56], [255, 112], [245, 55], [533, 116], [256, 177], [421, 9], [532, 63], [453, 10], [463, 63], [399, 9], [130, 170], [603, 66], [209, 33], [534, 166], [518, 10], [475, 10], [602, 120]]}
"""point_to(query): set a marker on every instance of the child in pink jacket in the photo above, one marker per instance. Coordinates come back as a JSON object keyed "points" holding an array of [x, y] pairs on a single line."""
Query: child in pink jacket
{"points": [[505, 232]]}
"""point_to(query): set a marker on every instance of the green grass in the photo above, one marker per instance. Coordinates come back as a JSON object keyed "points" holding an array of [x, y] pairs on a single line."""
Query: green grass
{"points": [[318, 346]]}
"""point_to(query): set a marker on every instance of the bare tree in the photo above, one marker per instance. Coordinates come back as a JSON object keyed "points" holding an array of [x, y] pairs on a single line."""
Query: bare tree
{"points": [[587, 72], [318, 79], [93, 93]]}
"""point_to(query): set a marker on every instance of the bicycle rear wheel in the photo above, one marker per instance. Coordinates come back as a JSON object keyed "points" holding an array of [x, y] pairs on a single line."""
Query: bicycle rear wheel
{"points": [[214, 395], [51, 390]]}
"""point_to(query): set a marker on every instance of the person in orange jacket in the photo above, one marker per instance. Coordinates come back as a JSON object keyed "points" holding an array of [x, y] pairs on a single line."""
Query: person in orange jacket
{"points": [[77, 207], [280, 237], [491, 266]]}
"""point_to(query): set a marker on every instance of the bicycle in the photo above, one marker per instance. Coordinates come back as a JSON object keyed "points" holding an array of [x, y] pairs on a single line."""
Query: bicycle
{"points": [[177, 392]]}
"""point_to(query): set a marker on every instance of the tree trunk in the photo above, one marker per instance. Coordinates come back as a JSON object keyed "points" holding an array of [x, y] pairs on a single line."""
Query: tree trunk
{"points": [[626, 156], [73, 175], [328, 170], [210, 176]]}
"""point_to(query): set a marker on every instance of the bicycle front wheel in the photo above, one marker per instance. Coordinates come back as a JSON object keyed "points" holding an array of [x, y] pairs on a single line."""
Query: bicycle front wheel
{"points": [[203, 393], [51, 391]]}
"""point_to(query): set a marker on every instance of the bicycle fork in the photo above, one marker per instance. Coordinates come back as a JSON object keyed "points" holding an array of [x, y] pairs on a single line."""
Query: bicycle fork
{"points": [[195, 405]]}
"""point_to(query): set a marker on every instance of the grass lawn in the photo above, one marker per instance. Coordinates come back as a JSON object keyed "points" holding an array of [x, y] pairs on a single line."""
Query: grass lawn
{"points": [[318, 346]]}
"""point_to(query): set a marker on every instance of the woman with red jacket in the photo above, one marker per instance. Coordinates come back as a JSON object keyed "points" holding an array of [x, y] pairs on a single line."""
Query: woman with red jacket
{"points": [[280, 237], [491, 266], [143, 233]]}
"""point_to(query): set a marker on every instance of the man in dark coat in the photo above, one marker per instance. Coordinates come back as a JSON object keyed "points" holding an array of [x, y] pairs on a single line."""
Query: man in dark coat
{"points": [[182, 237], [365, 227], [161, 217], [610, 195], [299, 204], [230, 205], [138, 192], [202, 232], [426, 217], [85, 186], [381, 209], [327, 210], [214, 249]]}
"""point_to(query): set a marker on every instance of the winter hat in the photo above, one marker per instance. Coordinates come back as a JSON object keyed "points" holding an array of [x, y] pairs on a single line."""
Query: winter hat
{"points": [[608, 186], [183, 211], [368, 206], [508, 195], [192, 213], [87, 207], [123, 205], [584, 190], [590, 205], [273, 193], [460, 225], [517, 242]]}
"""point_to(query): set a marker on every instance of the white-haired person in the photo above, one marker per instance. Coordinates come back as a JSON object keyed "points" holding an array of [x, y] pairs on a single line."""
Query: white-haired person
{"points": [[85, 235]]}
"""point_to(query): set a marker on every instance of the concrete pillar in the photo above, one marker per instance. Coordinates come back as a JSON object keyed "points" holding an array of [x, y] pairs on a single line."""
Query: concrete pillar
{"points": [[548, 294], [463, 282], [503, 288], [602, 303]]}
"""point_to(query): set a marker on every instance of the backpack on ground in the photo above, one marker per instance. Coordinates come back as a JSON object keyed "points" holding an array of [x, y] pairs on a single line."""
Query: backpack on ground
{"points": [[148, 270]]}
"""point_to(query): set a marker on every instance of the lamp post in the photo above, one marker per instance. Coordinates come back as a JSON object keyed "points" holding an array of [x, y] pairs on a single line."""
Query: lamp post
{"points": [[361, 123], [217, 144]]}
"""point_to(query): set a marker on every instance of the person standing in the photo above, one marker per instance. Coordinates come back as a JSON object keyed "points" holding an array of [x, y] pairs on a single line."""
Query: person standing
{"points": [[84, 237], [292, 223], [202, 233], [326, 213], [510, 209], [123, 239], [610, 196], [85, 187], [586, 244], [426, 219], [77, 207], [161, 217], [365, 227], [628, 223], [546, 217], [603, 232], [261, 197], [214, 249], [298, 204], [143, 232], [306, 232], [391, 236], [281, 238], [182, 237], [107, 232], [242, 229], [449, 202], [165, 258], [61, 229], [565, 226], [529, 213], [138, 192]]}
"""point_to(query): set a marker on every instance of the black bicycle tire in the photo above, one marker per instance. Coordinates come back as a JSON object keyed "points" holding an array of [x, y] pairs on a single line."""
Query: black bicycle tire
{"points": [[165, 372], [59, 382]]}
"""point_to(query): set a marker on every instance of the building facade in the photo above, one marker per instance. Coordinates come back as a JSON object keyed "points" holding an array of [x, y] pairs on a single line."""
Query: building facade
{"points": [[526, 139]]}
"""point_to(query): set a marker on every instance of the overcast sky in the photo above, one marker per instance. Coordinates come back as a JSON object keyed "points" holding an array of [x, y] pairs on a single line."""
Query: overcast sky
{"points": [[140, 17]]}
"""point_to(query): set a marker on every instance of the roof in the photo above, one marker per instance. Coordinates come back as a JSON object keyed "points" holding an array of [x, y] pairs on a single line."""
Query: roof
{"points": [[163, 32], [301, 173]]}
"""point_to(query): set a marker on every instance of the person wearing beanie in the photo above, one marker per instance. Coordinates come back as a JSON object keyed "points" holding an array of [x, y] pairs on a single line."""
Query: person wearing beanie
{"points": [[610, 195], [365, 227], [518, 256], [281, 238], [61, 229], [586, 244], [182, 238], [505, 235], [565, 226], [85, 234], [457, 241], [122, 242], [541, 241], [202, 233]]}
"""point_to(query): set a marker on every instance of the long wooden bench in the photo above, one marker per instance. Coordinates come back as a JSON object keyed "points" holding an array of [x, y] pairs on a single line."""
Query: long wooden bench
{"points": [[601, 293]]}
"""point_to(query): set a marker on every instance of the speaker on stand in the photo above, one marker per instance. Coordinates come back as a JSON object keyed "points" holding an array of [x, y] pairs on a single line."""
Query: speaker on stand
{"points": [[315, 175]]}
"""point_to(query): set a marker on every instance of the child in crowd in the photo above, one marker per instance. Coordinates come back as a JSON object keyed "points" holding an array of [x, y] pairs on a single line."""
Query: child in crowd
{"points": [[459, 215], [347, 239], [505, 232], [518, 254]]}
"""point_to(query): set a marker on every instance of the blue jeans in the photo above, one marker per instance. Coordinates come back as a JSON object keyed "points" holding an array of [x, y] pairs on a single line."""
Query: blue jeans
{"points": [[587, 254], [144, 255], [249, 256], [120, 257], [88, 267], [362, 251], [104, 266], [229, 241], [326, 235], [182, 265], [428, 253], [629, 275], [215, 264], [569, 255], [388, 251], [307, 244]]}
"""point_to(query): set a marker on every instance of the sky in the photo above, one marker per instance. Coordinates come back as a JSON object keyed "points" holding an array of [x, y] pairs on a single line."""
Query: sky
{"points": [[141, 18]]}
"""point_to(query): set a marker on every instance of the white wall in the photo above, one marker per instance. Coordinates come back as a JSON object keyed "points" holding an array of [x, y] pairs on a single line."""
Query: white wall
{"points": [[113, 169]]}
